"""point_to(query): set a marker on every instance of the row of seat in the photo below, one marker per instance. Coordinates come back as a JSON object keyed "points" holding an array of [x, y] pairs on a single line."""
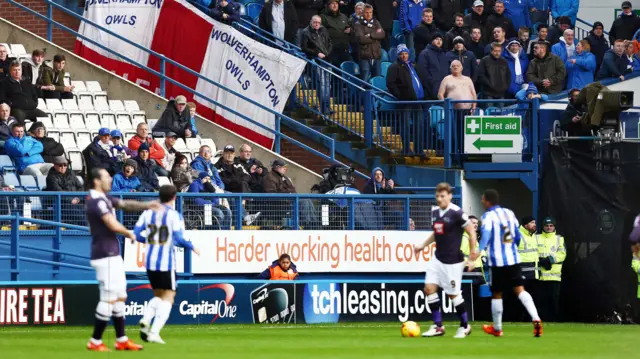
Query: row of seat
{"points": [[93, 101], [93, 120]]}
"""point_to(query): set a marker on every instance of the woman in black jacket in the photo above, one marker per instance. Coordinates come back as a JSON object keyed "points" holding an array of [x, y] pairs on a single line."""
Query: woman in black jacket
{"points": [[52, 149]]}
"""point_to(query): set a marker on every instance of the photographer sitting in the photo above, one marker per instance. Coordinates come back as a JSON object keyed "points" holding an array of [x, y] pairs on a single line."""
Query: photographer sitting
{"points": [[280, 269]]}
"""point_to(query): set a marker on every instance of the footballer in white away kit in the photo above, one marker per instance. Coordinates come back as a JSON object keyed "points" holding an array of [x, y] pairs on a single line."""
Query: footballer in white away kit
{"points": [[161, 230], [106, 259], [444, 270], [500, 237]]}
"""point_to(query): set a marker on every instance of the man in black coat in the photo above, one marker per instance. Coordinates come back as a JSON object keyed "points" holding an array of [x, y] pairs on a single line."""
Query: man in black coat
{"points": [[5, 61], [625, 25], [231, 173], [51, 148], [97, 155], [599, 44], [494, 76], [339, 29], [306, 9], [175, 118], [384, 11], [279, 17], [477, 44], [146, 170], [61, 179], [254, 171], [6, 121], [477, 17], [422, 33], [498, 18], [458, 29], [20, 95], [316, 42]]}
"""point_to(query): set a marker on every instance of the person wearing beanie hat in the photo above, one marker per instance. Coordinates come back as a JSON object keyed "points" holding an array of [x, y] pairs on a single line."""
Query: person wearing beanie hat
{"points": [[339, 29], [626, 25], [369, 33], [126, 180], [50, 147], [552, 253], [528, 251], [434, 64], [146, 170], [518, 63], [422, 33], [458, 30], [466, 57], [598, 43], [410, 18]]}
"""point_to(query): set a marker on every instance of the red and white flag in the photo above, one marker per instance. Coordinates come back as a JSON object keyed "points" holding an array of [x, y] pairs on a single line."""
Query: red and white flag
{"points": [[218, 52]]}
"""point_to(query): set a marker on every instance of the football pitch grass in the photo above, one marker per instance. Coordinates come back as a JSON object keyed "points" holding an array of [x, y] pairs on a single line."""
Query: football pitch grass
{"points": [[358, 340]]}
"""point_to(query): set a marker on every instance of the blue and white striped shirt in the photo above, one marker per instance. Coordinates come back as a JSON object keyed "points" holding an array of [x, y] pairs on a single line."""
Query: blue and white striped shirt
{"points": [[500, 237], [161, 230]]}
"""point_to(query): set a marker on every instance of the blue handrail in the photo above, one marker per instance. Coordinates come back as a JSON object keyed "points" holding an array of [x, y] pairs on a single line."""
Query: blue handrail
{"points": [[163, 77]]}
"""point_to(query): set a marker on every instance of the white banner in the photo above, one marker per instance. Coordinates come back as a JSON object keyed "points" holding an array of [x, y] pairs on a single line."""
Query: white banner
{"points": [[259, 72], [311, 251]]}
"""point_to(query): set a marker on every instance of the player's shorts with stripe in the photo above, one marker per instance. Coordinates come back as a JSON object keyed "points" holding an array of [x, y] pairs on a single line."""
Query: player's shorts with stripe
{"points": [[446, 276], [162, 279], [506, 278], [111, 278]]}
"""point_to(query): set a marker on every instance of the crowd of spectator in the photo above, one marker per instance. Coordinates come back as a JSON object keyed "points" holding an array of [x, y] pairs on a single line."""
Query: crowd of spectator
{"points": [[438, 32]]}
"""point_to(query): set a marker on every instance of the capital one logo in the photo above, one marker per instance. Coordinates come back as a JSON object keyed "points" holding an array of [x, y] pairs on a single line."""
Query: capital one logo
{"points": [[217, 308]]}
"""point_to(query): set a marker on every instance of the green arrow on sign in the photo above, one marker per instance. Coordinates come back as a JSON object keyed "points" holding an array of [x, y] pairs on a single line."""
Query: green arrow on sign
{"points": [[480, 143]]}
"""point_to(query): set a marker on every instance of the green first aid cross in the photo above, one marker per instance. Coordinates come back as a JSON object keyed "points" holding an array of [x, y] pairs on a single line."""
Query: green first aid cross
{"points": [[492, 125], [493, 134]]}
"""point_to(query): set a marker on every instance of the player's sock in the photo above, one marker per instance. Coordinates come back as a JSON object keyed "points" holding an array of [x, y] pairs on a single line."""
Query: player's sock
{"points": [[152, 307], [103, 312], [528, 303], [118, 321], [458, 302], [496, 310], [162, 315], [434, 304]]}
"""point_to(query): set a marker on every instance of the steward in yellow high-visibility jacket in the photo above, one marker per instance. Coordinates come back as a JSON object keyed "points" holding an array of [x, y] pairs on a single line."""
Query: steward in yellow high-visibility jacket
{"points": [[477, 274], [528, 249], [552, 253]]}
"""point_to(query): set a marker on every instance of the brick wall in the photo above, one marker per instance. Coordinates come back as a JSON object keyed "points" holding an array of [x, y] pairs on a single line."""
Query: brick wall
{"points": [[39, 26]]}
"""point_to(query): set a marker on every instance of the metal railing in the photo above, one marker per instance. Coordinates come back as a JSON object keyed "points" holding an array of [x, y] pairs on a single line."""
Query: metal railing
{"points": [[330, 142]]}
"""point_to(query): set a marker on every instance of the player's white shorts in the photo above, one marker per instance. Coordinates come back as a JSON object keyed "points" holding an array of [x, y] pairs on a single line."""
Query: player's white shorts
{"points": [[111, 278], [446, 276]]}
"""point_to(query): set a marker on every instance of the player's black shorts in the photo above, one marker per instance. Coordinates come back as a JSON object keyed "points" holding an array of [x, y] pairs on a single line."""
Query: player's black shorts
{"points": [[506, 278], [162, 280]]}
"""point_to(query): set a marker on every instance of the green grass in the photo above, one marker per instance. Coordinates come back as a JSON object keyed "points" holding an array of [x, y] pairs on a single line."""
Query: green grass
{"points": [[333, 341]]}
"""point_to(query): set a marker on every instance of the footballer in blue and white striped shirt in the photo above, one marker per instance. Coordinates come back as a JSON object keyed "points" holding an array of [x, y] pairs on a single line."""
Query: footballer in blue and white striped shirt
{"points": [[500, 238], [162, 230]]}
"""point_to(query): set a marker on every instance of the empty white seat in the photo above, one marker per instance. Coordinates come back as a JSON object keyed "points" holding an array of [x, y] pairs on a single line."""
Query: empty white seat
{"points": [[85, 104], [151, 123], [108, 119], [128, 136], [68, 140], [18, 50], [188, 156], [67, 80], [7, 47], [138, 119], [61, 119], [180, 146], [193, 144], [116, 105], [209, 142], [49, 114], [131, 105], [76, 120], [46, 121], [42, 105], [93, 86], [92, 120], [123, 121], [76, 161], [78, 86], [54, 133], [85, 96], [83, 139], [162, 180], [54, 104], [100, 104], [69, 104]]}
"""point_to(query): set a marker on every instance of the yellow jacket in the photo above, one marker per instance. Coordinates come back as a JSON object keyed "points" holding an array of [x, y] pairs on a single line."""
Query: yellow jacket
{"points": [[635, 264], [552, 245], [528, 247], [466, 250]]}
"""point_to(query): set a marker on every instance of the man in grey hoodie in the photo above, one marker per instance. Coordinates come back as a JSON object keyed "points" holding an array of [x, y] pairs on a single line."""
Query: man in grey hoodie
{"points": [[33, 69]]}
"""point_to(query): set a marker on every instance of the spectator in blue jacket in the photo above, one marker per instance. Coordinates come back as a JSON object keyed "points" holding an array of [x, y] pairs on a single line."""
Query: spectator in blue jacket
{"points": [[518, 11], [466, 57], [204, 185], [566, 48], [224, 11], [581, 69], [568, 8], [410, 18], [202, 163], [614, 63], [126, 180], [528, 92], [634, 60], [433, 60], [518, 63], [146, 171], [26, 151], [540, 11]]}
